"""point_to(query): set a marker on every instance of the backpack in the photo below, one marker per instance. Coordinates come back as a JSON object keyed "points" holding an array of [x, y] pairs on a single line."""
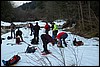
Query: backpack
{"points": [[30, 49], [47, 27], [12, 60], [9, 37]]}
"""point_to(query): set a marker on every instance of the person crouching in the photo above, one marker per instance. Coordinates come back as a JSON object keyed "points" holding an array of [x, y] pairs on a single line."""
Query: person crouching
{"points": [[46, 38], [61, 36], [19, 35]]}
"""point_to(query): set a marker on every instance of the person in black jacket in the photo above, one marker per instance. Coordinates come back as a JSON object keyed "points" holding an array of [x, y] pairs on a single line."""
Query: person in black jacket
{"points": [[46, 38], [19, 32], [32, 28], [36, 32], [13, 27]]}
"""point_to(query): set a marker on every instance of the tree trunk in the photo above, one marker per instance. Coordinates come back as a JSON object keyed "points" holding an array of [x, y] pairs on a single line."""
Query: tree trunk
{"points": [[82, 24]]}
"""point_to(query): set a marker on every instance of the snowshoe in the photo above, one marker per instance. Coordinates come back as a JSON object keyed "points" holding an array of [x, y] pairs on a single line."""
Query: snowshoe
{"points": [[46, 52]]}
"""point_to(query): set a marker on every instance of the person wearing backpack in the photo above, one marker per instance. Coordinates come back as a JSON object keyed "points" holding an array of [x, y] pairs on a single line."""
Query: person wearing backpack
{"points": [[47, 28], [13, 27]]}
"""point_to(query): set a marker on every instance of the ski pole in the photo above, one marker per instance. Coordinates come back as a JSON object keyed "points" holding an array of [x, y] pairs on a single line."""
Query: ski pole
{"points": [[27, 43]]}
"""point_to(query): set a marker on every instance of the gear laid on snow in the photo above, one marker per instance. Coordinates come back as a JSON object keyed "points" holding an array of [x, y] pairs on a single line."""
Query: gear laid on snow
{"points": [[77, 43], [11, 61], [9, 37], [30, 49]]}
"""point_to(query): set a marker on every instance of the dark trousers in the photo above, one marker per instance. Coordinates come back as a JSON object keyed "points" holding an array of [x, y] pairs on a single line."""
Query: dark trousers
{"points": [[63, 37], [44, 43], [46, 31], [32, 31], [12, 32], [36, 37], [55, 34]]}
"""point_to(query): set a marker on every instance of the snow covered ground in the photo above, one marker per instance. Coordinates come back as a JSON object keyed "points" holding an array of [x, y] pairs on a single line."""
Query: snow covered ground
{"points": [[86, 55]]}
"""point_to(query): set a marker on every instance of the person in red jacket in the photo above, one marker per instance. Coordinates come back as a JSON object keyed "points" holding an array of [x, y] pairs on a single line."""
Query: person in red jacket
{"points": [[46, 39], [47, 28], [61, 36]]}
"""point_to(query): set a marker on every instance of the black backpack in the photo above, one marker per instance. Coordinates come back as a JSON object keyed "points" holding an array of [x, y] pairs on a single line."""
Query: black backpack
{"points": [[9, 37], [30, 49]]}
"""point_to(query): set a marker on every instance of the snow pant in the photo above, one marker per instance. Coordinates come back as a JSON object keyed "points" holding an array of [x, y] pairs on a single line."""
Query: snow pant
{"points": [[46, 31], [64, 36], [44, 43], [32, 31], [12, 31], [55, 34]]}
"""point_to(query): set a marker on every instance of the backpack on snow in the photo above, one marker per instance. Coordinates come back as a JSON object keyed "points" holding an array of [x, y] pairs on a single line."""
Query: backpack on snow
{"points": [[9, 37], [11, 61], [30, 49]]}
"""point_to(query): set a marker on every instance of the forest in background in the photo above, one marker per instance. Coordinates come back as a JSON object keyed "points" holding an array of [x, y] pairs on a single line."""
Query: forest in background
{"points": [[84, 13]]}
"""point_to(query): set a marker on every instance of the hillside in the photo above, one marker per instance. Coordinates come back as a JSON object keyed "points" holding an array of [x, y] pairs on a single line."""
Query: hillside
{"points": [[85, 14]]}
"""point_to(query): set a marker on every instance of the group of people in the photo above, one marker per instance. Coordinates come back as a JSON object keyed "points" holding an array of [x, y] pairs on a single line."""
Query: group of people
{"points": [[17, 33], [35, 31], [56, 37]]}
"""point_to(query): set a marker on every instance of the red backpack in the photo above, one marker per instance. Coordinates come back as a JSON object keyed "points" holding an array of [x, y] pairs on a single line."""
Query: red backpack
{"points": [[47, 27]]}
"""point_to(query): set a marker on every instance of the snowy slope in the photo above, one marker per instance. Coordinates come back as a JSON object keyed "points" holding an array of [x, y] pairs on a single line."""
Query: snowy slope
{"points": [[86, 55]]}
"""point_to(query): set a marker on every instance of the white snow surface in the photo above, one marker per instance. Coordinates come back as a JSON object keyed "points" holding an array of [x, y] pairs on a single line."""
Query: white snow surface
{"points": [[86, 55]]}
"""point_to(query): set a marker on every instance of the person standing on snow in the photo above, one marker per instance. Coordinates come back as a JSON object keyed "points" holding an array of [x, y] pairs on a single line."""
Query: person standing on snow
{"points": [[61, 36], [47, 28], [55, 30], [13, 27], [32, 28], [46, 38], [36, 32]]}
